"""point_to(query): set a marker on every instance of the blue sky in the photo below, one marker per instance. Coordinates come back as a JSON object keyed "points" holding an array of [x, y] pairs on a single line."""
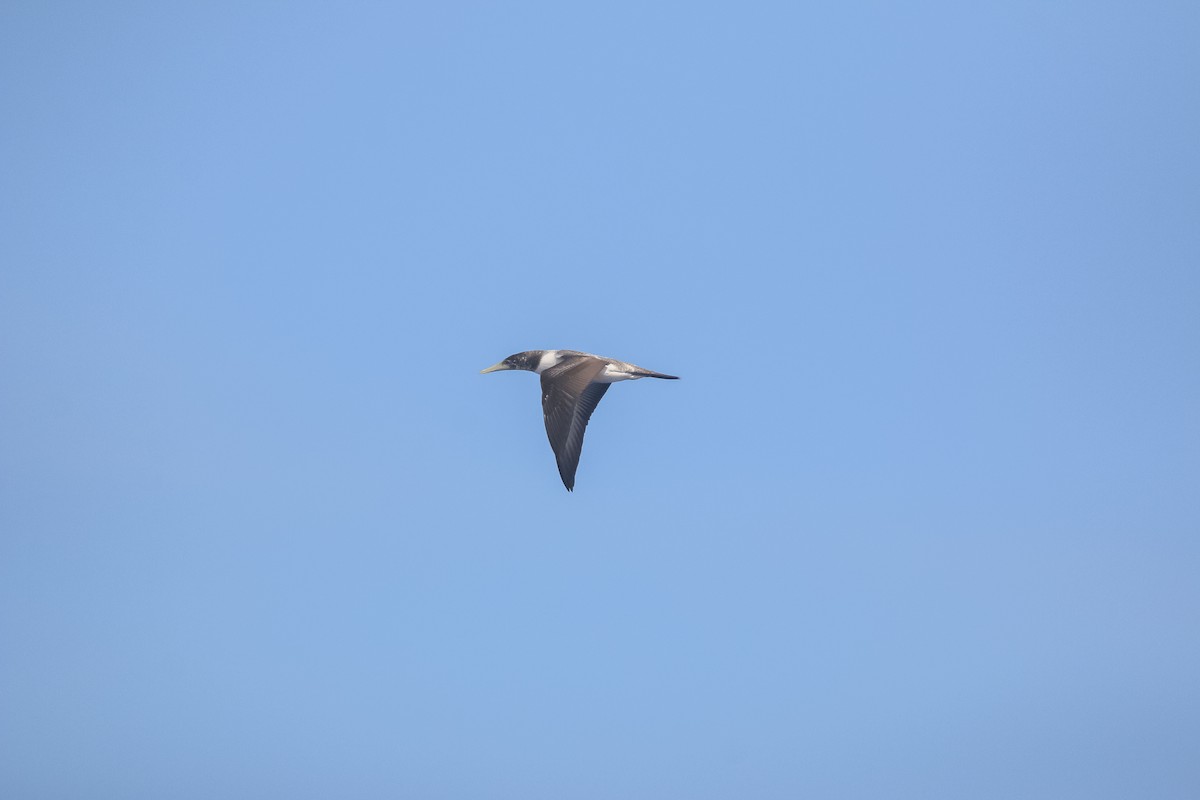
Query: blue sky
{"points": [[921, 519]]}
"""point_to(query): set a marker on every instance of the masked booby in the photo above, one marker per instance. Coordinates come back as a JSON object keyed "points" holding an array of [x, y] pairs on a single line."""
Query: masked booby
{"points": [[572, 385]]}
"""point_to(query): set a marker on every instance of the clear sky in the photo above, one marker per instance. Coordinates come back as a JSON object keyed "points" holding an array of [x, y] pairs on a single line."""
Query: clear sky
{"points": [[922, 519]]}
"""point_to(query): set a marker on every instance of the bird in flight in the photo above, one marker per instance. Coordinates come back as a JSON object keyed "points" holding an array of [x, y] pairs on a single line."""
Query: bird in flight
{"points": [[572, 385]]}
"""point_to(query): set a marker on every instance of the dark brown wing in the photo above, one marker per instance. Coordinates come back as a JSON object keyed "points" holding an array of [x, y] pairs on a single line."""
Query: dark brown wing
{"points": [[569, 397]]}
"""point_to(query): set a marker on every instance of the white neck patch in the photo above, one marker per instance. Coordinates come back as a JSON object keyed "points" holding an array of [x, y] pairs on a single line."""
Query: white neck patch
{"points": [[548, 360]]}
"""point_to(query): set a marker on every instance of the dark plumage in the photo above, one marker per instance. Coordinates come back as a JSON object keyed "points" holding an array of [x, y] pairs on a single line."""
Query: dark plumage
{"points": [[572, 385]]}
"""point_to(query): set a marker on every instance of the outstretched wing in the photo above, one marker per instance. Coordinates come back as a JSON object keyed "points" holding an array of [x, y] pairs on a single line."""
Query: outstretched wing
{"points": [[569, 397]]}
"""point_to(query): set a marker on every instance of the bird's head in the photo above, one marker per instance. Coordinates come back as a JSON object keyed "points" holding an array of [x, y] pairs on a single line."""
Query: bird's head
{"points": [[527, 361]]}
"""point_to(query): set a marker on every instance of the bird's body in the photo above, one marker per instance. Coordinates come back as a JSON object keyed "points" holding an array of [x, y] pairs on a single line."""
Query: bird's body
{"points": [[572, 385]]}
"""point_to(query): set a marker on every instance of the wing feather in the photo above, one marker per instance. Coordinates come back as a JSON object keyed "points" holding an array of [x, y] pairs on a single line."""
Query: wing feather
{"points": [[569, 396]]}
